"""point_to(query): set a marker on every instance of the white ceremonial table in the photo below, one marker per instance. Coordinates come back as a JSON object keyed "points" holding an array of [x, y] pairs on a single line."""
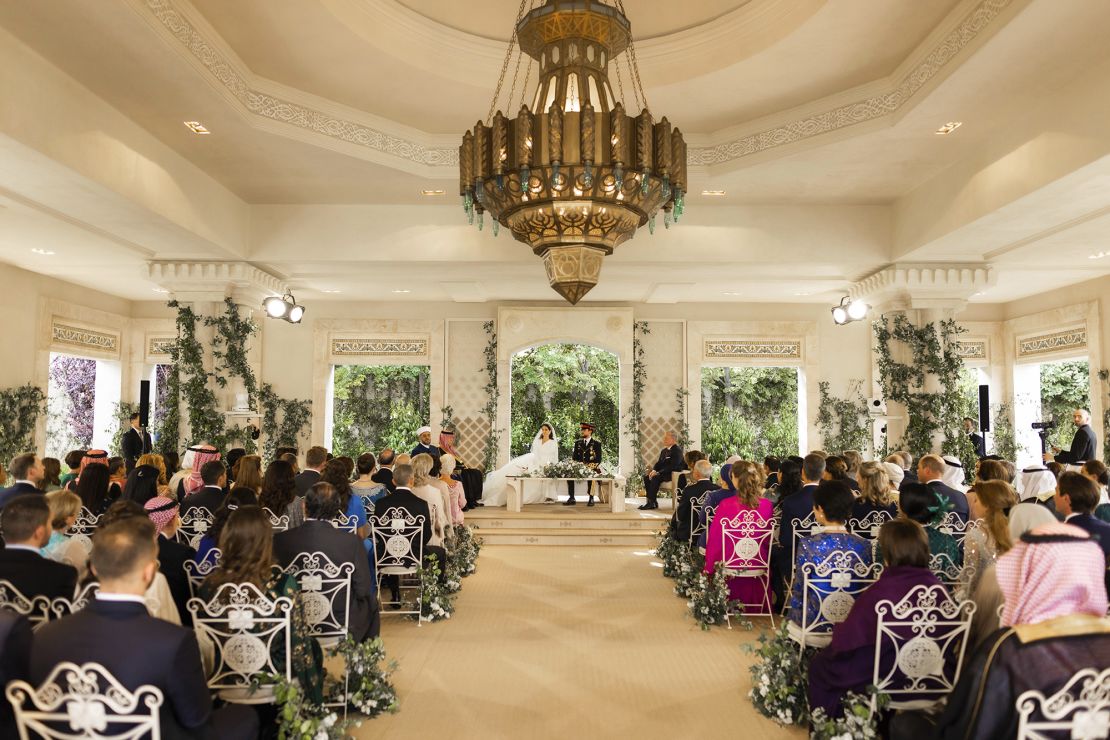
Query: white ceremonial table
{"points": [[611, 491]]}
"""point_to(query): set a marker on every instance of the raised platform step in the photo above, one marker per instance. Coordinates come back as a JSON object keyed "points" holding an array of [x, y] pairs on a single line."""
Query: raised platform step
{"points": [[536, 521], [552, 536]]}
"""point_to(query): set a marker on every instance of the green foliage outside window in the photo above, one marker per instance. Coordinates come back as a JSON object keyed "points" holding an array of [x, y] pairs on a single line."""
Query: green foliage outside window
{"points": [[378, 407], [1065, 387], [749, 411], [564, 385]]}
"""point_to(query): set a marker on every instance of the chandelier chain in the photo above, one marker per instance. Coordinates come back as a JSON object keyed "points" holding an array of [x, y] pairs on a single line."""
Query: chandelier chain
{"points": [[505, 64], [524, 84], [634, 66]]}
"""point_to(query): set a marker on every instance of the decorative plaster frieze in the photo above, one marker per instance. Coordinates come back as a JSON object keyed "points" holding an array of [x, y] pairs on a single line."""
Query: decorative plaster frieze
{"points": [[929, 285], [752, 349], [65, 333], [160, 346], [234, 77], [344, 347], [1058, 341], [216, 278], [972, 349]]}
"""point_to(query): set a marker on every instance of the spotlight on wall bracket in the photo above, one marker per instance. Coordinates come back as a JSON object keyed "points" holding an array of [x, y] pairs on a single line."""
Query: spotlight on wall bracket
{"points": [[848, 311], [285, 307]]}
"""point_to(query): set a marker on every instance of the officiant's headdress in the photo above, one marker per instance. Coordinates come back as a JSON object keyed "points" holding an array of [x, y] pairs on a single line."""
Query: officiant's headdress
{"points": [[423, 430]]}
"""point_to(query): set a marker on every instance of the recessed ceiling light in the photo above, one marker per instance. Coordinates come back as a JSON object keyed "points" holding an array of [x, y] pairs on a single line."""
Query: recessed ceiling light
{"points": [[432, 192], [36, 250], [949, 127], [801, 294], [715, 193], [160, 290], [331, 291], [733, 292], [1098, 255], [402, 290], [197, 127]]}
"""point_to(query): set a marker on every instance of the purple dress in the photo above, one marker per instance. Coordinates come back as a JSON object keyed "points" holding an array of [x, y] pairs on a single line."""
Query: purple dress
{"points": [[748, 591]]}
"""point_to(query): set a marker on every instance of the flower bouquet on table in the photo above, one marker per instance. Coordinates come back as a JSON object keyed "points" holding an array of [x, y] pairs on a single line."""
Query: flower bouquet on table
{"points": [[565, 469], [779, 678], [371, 692], [857, 721]]}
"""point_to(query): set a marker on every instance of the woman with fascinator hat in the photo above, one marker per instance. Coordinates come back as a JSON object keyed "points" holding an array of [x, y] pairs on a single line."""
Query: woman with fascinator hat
{"points": [[545, 451]]}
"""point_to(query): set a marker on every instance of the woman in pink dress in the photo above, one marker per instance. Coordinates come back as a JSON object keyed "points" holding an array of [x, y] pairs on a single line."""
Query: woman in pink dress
{"points": [[747, 478]]}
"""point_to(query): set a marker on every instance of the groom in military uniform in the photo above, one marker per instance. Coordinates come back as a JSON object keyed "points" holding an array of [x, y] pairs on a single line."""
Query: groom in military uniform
{"points": [[587, 451]]}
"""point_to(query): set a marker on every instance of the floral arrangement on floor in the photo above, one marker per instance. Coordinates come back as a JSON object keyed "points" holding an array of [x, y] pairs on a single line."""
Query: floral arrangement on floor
{"points": [[709, 602], [371, 692], [670, 551], [299, 718], [779, 678], [857, 722], [566, 469], [467, 547], [687, 570], [436, 602]]}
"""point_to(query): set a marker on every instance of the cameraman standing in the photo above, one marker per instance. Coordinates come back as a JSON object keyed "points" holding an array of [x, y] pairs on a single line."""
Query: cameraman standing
{"points": [[1084, 446]]}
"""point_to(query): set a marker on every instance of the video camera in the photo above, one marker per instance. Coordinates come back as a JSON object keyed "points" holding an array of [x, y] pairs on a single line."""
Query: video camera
{"points": [[1043, 426]]}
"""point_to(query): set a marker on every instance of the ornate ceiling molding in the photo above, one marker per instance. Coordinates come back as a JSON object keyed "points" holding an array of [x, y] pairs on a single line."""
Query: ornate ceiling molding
{"points": [[389, 143], [936, 285], [213, 281]]}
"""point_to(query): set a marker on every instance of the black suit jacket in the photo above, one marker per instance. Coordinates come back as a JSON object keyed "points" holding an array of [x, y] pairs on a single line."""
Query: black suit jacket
{"points": [[35, 575], [210, 497], [958, 499], [1096, 528], [15, 658], [385, 477], [305, 480], [7, 494], [405, 499], [171, 562], [670, 461], [1084, 447], [340, 547], [421, 449], [680, 521], [138, 650], [134, 444], [978, 443]]}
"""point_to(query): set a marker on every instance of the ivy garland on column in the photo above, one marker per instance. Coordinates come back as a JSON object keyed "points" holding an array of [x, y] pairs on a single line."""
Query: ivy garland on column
{"points": [[682, 437], [1104, 376], [635, 409], [1004, 443], [934, 348], [843, 422], [19, 410], [493, 436], [167, 433], [206, 421], [229, 353], [295, 416]]}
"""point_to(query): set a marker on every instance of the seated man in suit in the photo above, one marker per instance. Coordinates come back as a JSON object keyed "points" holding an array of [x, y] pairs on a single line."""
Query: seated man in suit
{"points": [[1076, 499], [314, 461], [701, 482], [930, 471], [384, 473], [211, 495], [670, 461], [26, 525], [27, 471], [163, 513], [413, 505], [116, 631], [797, 506], [317, 534]]}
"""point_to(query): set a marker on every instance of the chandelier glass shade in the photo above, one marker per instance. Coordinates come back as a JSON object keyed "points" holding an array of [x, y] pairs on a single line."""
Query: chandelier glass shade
{"points": [[573, 175]]}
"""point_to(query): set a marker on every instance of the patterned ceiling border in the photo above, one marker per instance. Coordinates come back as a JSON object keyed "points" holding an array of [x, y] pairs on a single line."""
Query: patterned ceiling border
{"points": [[972, 349], [353, 347], [276, 108], [752, 349], [1057, 341], [66, 334]]}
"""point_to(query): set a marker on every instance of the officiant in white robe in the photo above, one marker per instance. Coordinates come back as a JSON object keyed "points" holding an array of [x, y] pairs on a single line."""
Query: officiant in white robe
{"points": [[545, 451]]}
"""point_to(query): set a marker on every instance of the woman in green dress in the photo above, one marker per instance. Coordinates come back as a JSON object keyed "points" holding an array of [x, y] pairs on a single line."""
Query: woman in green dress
{"points": [[246, 544]]}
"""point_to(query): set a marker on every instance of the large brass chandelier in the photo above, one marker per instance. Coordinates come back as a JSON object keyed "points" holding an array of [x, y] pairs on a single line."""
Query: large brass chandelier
{"points": [[573, 176]]}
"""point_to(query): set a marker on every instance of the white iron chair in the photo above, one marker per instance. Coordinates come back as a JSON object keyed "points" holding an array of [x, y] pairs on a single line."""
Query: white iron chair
{"points": [[37, 609], [277, 523], [746, 553], [868, 527], [804, 527], [195, 523], [196, 572], [344, 522], [398, 550], [84, 701], [241, 626], [833, 585], [1081, 709], [951, 524], [947, 571], [82, 529], [696, 527], [924, 636]]}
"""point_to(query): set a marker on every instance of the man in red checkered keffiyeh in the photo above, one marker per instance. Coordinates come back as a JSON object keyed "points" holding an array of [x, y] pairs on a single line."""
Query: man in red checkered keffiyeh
{"points": [[196, 457]]}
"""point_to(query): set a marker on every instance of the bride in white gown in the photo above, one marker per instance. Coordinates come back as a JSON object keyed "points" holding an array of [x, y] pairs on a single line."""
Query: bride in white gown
{"points": [[545, 451]]}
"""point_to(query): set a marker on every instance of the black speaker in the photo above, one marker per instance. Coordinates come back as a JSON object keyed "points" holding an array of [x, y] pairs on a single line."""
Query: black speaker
{"points": [[984, 408], [144, 403]]}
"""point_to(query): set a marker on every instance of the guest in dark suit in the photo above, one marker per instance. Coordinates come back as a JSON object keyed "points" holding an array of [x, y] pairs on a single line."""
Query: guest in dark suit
{"points": [[26, 525], [904, 460], [930, 470], [670, 461], [701, 482], [116, 631], [798, 506], [771, 466], [1076, 499], [413, 505], [163, 513], [211, 495], [690, 458], [15, 659], [314, 461], [1084, 445], [384, 473], [424, 445], [135, 443], [318, 535], [977, 440], [27, 471]]}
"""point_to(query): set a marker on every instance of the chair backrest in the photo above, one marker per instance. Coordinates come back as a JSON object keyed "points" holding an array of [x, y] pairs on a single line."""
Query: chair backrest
{"points": [[804, 527], [696, 505], [746, 542], [1081, 709], [83, 528], [244, 627], [325, 592], [277, 523], [348, 523], [84, 701], [194, 524], [64, 607], [197, 572], [868, 526], [920, 647], [398, 540], [37, 609], [952, 524], [833, 585], [948, 571]]}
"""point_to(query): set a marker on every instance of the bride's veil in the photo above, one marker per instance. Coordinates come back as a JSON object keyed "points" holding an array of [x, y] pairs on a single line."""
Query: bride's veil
{"points": [[536, 439]]}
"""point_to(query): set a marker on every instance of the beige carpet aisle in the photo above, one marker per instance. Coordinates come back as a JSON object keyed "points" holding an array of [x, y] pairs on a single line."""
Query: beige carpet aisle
{"points": [[569, 642]]}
